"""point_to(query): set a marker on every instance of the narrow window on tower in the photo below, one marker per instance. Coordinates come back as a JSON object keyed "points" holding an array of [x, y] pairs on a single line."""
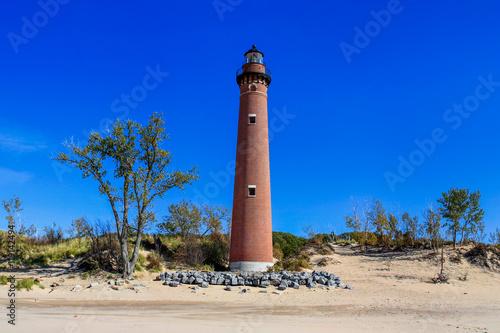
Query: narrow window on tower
{"points": [[251, 118], [251, 190]]}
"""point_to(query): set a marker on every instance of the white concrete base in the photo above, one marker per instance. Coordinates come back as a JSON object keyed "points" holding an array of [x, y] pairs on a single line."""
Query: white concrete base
{"points": [[250, 266]]}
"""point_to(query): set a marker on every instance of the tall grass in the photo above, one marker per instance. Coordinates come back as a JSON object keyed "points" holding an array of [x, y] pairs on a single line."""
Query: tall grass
{"points": [[31, 254]]}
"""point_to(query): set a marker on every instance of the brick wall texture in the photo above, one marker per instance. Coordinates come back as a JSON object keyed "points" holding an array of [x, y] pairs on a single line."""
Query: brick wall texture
{"points": [[251, 235]]}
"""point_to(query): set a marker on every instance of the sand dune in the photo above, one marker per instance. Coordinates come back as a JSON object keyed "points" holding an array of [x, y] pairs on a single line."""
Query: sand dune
{"points": [[393, 293]]}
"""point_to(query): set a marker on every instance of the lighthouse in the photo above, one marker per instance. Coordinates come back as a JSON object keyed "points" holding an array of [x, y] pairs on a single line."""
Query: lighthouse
{"points": [[251, 233]]}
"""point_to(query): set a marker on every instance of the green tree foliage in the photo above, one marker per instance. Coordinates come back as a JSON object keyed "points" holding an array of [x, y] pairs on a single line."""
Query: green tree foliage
{"points": [[52, 234], [213, 218], [379, 220], [13, 207], [458, 205], [394, 228], [184, 219], [80, 228], [453, 207], [288, 244], [140, 175], [411, 228], [206, 240], [495, 237], [353, 222], [473, 218], [432, 226], [359, 220]]}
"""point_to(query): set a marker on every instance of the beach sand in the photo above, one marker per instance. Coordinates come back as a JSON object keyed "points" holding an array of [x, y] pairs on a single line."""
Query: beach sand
{"points": [[392, 293]]}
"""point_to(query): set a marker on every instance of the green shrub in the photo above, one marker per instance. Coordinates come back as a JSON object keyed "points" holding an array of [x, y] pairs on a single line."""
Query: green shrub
{"points": [[155, 261], [288, 243], [3, 279], [215, 249], [141, 259], [27, 284], [277, 251], [303, 263]]}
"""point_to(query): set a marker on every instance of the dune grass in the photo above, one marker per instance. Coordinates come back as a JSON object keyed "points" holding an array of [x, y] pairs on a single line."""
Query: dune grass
{"points": [[31, 254], [27, 284]]}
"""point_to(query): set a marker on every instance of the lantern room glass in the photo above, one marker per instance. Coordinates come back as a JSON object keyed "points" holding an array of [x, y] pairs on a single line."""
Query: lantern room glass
{"points": [[254, 57]]}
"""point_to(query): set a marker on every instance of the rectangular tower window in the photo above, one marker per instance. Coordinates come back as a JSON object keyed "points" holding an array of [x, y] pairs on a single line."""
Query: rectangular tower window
{"points": [[251, 118], [251, 190]]}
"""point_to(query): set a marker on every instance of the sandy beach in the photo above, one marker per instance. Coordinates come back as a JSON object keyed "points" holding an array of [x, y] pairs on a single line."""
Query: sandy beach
{"points": [[392, 293]]}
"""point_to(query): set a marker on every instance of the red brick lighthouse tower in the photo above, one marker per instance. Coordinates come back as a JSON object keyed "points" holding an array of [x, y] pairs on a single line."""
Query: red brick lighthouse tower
{"points": [[251, 234]]}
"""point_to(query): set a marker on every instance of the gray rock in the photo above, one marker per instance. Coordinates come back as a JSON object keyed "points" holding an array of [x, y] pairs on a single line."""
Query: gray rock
{"points": [[331, 283], [349, 287], [276, 293], [198, 280], [244, 291], [295, 285], [241, 281], [281, 287], [312, 285], [94, 284], [265, 283], [228, 288], [213, 280], [138, 285], [220, 281], [322, 280], [204, 284], [256, 282], [263, 292], [174, 284], [191, 280], [275, 282]]}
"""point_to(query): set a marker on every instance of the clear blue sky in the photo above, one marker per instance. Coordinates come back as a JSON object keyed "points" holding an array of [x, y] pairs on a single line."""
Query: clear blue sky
{"points": [[352, 90]]}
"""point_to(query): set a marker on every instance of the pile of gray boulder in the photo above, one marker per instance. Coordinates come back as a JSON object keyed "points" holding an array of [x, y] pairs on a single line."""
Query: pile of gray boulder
{"points": [[281, 280]]}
